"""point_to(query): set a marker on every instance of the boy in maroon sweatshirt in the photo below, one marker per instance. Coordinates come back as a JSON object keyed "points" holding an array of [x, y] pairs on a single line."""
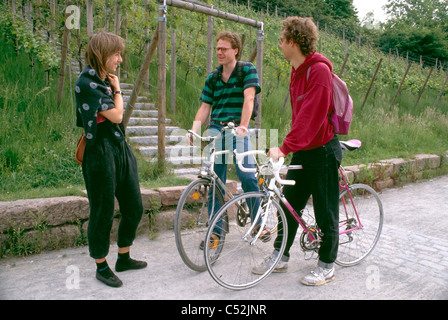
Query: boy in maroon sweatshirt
{"points": [[312, 143]]}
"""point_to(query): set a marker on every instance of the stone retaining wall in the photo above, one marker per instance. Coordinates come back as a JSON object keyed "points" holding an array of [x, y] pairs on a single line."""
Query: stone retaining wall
{"points": [[44, 224]]}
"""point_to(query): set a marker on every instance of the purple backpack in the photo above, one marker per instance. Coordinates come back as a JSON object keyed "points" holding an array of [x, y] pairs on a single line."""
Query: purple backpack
{"points": [[341, 118]]}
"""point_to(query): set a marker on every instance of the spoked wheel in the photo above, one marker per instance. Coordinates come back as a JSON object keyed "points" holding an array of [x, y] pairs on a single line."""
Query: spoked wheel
{"points": [[360, 224], [192, 220], [247, 257]]}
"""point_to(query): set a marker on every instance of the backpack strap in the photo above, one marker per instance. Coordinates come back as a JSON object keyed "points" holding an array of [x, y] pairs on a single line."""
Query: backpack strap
{"points": [[306, 85], [239, 74], [215, 74]]}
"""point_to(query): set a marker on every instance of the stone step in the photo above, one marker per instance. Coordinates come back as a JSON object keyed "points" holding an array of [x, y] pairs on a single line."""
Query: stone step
{"points": [[185, 161], [171, 151], [143, 106], [187, 171], [145, 121], [126, 86], [126, 92], [153, 140], [139, 99], [148, 130], [185, 165], [145, 113]]}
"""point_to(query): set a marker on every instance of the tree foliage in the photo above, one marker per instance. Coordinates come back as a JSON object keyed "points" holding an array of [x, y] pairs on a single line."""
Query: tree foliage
{"points": [[417, 26]]}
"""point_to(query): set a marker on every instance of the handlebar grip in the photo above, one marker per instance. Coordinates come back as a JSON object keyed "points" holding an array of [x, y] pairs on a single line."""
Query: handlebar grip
{"points": [[240, 157], [276, 168], [198, 136]]}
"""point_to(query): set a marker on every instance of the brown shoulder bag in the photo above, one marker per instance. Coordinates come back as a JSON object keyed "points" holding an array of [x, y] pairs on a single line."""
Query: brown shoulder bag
{"points": [[80, 146]]}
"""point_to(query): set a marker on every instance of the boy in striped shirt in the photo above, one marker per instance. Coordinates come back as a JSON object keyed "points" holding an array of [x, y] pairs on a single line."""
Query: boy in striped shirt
{"points": [[228, 96]]}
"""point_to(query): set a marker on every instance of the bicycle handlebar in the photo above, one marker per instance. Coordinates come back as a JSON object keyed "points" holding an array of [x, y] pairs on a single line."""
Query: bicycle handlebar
{"points": [[230, 126], [276, 166], [200, 137]]}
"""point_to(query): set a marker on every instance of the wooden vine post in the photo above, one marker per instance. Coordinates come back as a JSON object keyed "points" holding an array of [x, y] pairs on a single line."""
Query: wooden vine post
{"points": [[401, 84], [441, 91], [161, 55], [372, 81], [260, 39], [424, 86], [64, 53], [141, 77]]}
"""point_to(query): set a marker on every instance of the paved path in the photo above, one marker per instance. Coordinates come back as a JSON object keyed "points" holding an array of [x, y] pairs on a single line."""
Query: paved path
{"points": [[409, 262]]}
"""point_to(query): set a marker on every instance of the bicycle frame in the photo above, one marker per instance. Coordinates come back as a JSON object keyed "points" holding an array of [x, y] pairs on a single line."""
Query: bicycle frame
{"points": [[346, 186], [273, 189], [207, 170]]}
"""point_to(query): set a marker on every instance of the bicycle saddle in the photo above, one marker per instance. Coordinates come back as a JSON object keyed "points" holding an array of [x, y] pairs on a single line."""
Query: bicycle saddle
{"points": [[350, 145]]}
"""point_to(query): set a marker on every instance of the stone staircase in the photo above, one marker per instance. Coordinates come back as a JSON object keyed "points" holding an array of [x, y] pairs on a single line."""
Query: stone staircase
{"points": [[142, 133]]}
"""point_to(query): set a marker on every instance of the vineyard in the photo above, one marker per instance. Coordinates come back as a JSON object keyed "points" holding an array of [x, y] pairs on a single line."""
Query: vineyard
{"points": [[400, 107]]}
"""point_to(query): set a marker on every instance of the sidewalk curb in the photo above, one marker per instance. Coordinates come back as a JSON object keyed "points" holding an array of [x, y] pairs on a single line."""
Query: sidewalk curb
{"points": [[53, 223]]}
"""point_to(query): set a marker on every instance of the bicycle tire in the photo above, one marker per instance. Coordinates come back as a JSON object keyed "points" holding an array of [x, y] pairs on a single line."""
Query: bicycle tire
{"points": [[191, 222], [356, 245], [233, 269]]}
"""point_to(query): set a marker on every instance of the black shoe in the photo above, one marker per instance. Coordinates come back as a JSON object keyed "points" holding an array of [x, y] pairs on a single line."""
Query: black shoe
{"points": [[129, 264], [110, 279]]}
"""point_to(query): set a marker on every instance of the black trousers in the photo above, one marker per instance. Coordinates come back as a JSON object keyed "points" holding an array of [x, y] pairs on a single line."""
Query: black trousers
{"points": [[110, 170], [319, 179]]}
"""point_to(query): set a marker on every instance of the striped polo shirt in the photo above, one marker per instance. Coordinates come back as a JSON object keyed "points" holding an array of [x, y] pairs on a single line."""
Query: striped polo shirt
{"points": [[227, 98]]}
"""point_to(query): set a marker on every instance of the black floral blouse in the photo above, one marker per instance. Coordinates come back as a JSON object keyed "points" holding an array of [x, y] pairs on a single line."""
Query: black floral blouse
{"points": [[93, 95]]}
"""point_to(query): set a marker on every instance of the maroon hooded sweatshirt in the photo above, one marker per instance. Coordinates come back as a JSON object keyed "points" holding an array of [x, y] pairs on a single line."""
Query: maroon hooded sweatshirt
{"points": [[312, 105]]}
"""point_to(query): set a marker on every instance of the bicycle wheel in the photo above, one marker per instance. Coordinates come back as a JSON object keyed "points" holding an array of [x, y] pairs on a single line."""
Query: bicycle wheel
{"points": [[360, 224], [246, 260], [192, 220]]}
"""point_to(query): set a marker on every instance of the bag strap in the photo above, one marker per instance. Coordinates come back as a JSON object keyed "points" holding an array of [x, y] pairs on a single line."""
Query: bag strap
{"points": [[239, 74], [306, 85]]}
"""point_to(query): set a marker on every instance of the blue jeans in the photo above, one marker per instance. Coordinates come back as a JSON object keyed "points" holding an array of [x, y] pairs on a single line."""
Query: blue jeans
{"points": [[249, 182]]}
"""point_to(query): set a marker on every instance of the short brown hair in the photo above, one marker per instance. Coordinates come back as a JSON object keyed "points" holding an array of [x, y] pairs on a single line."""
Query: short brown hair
{"points": [[100, 47], [234, 39], [302, 31]]}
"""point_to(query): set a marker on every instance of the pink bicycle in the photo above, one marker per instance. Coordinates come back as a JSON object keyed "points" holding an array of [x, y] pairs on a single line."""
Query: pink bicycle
{"points": [[247, 244]]}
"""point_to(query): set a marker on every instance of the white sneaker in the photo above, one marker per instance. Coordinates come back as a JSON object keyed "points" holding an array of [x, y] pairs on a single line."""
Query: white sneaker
{"points": [[318, 276], [281, 267]]}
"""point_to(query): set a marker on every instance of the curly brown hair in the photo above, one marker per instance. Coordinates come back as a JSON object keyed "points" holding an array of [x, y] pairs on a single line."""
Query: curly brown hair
{"points": [[302, 31], [234, 39]]}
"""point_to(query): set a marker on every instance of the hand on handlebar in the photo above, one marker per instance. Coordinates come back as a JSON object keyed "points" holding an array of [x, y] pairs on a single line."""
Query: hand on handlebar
{"points": [[241, 131], [275, 154]]}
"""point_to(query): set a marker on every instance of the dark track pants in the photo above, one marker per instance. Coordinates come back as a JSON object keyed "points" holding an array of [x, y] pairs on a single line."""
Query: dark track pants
{"points": [[110, 170]]}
